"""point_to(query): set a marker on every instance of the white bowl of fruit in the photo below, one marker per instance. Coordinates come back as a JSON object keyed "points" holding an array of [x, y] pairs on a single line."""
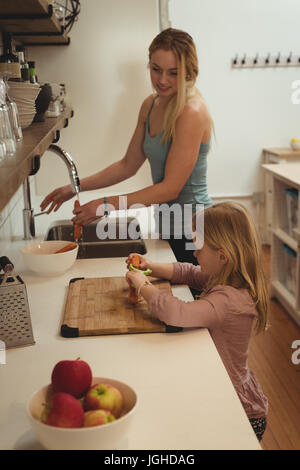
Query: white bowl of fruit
{"points": [[79, 412]]}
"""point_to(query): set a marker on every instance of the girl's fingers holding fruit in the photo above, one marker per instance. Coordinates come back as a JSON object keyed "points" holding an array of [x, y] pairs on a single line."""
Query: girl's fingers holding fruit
{"points": [[135, 258]]}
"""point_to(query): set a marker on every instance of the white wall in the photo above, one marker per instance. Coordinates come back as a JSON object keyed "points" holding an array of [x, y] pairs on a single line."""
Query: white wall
{"points": [[252, 109], [105, 71]]}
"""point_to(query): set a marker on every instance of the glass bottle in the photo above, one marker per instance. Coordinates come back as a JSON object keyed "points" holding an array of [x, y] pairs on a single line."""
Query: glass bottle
{"points": [[9, 61], [32, 72], [23, 63]]}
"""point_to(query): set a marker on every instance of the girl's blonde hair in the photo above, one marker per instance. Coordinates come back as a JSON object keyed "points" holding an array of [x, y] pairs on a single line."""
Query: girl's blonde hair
{"points": [[182, 45], [228, 225]]}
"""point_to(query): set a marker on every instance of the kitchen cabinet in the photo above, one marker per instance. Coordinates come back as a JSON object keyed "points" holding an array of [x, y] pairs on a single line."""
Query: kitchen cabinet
{"points": [[274, 155], [285, 235], [32, 22], [36, 139]]}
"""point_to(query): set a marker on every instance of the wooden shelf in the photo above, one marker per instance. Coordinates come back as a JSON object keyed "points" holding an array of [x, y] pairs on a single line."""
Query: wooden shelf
{"points": [[286, 238], [286, 298], [283, 152], [285, 265], [36, 140], [32, 22]]}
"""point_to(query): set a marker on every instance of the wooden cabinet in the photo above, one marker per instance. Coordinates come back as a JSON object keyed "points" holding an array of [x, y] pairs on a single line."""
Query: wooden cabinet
{"points": [[274, 156], [36, 140], [285, 235], [32, 22]]}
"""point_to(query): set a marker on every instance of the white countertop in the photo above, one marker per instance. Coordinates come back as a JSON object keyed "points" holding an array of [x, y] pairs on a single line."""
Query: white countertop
{"points": [[186, 399]]}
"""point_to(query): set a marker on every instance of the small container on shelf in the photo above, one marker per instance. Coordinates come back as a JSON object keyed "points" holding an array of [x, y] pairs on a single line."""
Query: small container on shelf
{"points": [[292, 198], [290, 266]]}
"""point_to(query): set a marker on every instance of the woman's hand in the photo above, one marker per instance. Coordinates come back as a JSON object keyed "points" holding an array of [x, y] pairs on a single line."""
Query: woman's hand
{"points": [[89, 212], [144, 262], [56, 198]]}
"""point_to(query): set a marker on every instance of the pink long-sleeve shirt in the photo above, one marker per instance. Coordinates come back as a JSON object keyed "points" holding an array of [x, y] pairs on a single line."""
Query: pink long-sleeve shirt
{"points": [[228, 313]]}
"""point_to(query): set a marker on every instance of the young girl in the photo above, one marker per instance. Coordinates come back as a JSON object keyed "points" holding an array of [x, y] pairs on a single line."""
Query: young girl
{"points": [[233, 300]]}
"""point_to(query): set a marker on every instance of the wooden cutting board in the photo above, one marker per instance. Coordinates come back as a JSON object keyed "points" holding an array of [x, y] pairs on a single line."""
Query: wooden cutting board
{"points": [[100, 306]]}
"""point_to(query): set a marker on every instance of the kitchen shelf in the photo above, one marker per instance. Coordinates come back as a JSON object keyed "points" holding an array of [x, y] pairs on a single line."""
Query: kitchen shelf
{"points": [[36, 140], [285, 238], [32, 22], [275, 155], [285, 297]]}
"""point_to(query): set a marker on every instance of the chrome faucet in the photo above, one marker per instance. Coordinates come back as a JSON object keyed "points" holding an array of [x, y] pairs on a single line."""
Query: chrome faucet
{"points": [[28, 215], [75, 182]]}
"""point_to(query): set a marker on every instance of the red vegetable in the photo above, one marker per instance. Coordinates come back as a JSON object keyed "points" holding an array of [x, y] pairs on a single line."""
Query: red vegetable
{"points": [[133, 297], [77, 227]]}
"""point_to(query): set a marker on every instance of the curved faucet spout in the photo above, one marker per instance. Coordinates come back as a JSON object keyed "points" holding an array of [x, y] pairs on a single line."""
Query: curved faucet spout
{"points": [[66, 157], [28, 216]]}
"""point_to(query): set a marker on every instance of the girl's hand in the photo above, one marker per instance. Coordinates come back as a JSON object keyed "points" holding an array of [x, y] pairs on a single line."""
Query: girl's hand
{"points": [[89, 212], [144, 262], [135, 278], [56, 198]]}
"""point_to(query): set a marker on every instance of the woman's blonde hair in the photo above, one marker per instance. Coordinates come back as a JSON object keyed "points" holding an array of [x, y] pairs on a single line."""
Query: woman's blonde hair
{"points": [[228, 225], [183, 46]]}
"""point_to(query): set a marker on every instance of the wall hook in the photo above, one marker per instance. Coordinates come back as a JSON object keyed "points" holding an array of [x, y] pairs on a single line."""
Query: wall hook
{"points": [[235, 59], [244, 60], [289, 59], [267, 61], [255, 59], [278, 58]]}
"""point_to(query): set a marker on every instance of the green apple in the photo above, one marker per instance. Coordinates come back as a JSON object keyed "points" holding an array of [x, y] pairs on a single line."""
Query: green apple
{"points": [[104, 396]]}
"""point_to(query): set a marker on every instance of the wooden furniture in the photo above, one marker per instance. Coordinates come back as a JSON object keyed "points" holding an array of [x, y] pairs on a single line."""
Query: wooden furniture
{"points": [[285, 235], [274, 155], [32, 22], [36, 139], [100, 306]]}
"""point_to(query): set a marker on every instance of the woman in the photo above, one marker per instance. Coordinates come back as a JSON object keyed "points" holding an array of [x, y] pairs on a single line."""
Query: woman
{"points": [[173, 132]]}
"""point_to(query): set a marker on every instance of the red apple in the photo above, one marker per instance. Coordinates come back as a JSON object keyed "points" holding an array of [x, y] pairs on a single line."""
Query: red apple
{"points": [[74, 377], [63, 411], [97, 417], [104, 396]]}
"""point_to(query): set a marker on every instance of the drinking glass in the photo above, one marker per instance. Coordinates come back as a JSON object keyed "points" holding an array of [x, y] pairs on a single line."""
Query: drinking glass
{"points": [[2, 149], [12, 109], [6, 133]]}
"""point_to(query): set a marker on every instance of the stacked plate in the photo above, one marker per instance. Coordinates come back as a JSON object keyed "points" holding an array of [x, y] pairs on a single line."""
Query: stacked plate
{"points": [[24, 95]]}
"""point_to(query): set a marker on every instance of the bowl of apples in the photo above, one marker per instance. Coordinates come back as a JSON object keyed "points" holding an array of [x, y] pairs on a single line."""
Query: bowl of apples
{"points": [[77, 411]]}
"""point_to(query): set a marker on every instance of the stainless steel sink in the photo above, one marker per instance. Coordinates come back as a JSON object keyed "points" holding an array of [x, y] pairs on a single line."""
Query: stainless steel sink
{"points": [[119, 237]]}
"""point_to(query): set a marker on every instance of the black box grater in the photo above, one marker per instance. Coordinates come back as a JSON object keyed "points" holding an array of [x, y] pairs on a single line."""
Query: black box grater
{"points": [[15, 321]]}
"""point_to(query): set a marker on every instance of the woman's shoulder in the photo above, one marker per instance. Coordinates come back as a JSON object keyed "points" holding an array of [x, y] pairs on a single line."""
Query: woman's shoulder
{"points": [[195, 107], [146, 106], [194, 115]]}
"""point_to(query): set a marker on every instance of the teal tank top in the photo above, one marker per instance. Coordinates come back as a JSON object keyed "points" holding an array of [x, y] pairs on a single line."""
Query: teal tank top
{"points": [[194, 191]]}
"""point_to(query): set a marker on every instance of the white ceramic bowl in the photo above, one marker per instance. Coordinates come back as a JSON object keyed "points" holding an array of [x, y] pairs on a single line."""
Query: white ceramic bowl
{"points": [[26, 120], [104, 437], [41, 258]]}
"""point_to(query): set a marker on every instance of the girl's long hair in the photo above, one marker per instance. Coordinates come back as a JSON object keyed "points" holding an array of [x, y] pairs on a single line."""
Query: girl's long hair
{"points": [[228, 225], [182, 45]]}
